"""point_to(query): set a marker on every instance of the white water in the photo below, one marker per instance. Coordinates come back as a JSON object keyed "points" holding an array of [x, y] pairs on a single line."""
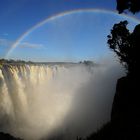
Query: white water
{"points": [[36, 101]]}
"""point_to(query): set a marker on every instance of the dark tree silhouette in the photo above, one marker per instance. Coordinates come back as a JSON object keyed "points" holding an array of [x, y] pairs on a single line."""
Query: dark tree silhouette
{"points": [[118, 41], [131, 5], [125, 45]]}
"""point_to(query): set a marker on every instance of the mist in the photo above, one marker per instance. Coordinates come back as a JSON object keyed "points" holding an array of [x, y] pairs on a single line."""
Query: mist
{"points": [[47, 102]]}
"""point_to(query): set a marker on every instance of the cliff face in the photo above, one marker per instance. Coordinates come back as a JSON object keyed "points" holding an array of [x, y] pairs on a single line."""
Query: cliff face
{"points": [[126, 101], [4, 136], [125, 115]]}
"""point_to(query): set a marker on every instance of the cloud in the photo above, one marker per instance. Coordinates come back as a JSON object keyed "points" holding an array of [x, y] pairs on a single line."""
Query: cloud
{"points": [[30, 45], [5, 42], [76, 100], [5, 34], [9, 43]]}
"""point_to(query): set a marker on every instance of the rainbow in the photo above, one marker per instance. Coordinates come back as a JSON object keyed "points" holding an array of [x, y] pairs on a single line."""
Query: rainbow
{"points": [[57, 16]]}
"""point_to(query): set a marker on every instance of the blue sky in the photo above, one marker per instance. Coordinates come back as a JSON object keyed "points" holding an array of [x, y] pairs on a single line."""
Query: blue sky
{"points": [[74, 37]]}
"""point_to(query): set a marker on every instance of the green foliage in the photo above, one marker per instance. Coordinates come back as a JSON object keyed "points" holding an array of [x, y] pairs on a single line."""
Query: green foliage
{"points": [[126, 45], [88, 63], [130, 5], [118, 41]]}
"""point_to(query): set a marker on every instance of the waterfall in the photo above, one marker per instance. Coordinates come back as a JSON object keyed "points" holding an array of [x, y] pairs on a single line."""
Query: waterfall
{"points": [[35, 92], [37, 100]]}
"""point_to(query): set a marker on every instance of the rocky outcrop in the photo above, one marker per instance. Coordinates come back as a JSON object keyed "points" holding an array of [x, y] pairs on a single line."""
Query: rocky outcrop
{"points": [[127, 100], [125, 115], [4, 136]]}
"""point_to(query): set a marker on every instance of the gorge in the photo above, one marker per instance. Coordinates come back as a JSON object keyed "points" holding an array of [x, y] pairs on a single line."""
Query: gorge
{"points": [[56, 99]]}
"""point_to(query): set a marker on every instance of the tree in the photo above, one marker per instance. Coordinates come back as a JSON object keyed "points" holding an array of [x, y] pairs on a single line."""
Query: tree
{"points": [[118, 41], [131, 5], [125, 45]]}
